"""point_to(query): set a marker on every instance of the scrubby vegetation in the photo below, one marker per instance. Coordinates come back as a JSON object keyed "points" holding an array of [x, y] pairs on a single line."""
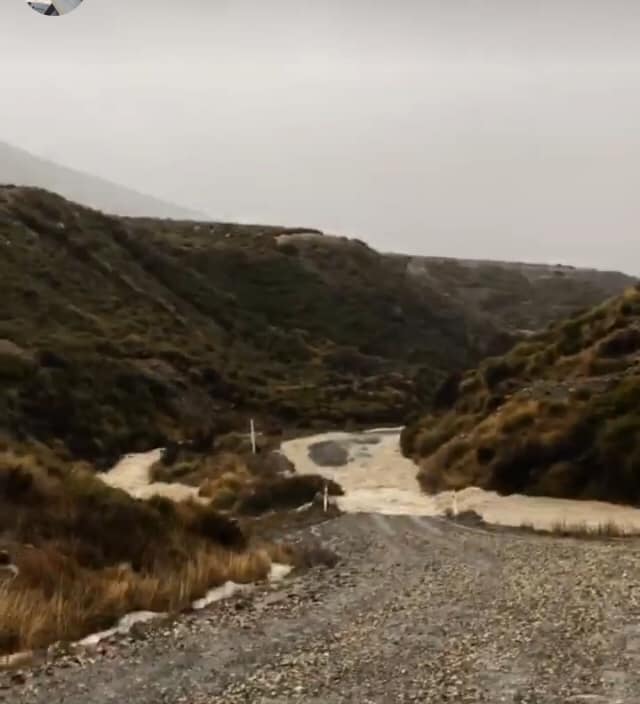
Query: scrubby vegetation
{"points": [[519, 296], [239, 482], [559, 415], [88, 554], [120, 334]]}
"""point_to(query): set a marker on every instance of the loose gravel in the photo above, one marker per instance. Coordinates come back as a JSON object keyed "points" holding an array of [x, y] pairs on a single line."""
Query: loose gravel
{"points": [[417, 610]]}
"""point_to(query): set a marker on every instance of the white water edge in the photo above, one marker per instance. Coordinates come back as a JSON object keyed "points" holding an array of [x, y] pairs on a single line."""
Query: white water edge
{"points": [[277, 573], [124, 626], [377, 478], [133, 475]]}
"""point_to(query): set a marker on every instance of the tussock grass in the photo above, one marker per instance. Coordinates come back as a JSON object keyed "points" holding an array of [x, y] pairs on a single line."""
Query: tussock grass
{"points": [[284, 492], [34, 615], [603, 530], [97, 314], [88, 554], [562, 529], [557, 415], [243, 483]]}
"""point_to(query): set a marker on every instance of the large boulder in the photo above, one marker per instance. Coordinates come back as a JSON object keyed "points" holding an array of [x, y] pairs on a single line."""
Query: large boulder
{"points": [[328, 453]]}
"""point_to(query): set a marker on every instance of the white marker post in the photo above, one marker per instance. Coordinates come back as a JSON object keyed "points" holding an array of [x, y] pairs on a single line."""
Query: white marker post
{"points": [[325, 497], [253, 437], [455, 503]]}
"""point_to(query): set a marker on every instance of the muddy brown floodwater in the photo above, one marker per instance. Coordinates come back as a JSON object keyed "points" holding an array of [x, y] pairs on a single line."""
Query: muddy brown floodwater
{"points": [[419, 609]]}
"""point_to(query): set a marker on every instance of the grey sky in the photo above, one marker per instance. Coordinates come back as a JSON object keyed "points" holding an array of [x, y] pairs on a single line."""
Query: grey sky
{"points": [[497, 128]]}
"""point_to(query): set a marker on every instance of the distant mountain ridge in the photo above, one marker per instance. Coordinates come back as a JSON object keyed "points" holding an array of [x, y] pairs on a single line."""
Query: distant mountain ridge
{"points": [[21, 168], [521, 297]]}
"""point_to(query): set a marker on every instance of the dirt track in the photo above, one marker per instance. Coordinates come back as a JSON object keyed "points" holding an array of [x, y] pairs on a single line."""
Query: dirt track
{"points": [[419, 609]]}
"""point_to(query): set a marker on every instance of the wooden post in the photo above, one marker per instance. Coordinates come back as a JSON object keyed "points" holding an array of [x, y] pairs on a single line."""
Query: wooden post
{"points": [[253, 437]]}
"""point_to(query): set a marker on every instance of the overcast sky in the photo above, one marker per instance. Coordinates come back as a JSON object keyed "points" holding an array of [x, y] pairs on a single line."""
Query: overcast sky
{"points": [[505, 129]]}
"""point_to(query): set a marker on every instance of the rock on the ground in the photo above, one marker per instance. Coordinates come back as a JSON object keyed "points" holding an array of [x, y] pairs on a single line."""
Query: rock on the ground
{"points": [[328, 453]]}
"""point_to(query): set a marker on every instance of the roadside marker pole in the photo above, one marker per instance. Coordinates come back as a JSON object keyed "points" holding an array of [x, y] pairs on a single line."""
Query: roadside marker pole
{"points": [[253, 437], [325, 497], [455, 503]]}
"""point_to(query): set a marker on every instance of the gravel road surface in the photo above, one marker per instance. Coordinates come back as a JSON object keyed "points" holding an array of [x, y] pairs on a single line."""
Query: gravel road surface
{"points": [[417, 610]]}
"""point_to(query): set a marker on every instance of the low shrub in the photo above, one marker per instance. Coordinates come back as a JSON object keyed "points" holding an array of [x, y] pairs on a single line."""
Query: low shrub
{"points": [[448, 392], [408, 437], [499, 370], [621, 342], [88, 554], [87, 601], [219, 529], [223, 499], [485, 454], [492, 403], [518, 420], [285, 492], [16, 484]]}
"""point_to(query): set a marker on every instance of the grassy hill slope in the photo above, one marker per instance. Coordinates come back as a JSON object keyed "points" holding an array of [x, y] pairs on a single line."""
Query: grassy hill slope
{"points": [[558, 415], [518, 296], [117, 333]]}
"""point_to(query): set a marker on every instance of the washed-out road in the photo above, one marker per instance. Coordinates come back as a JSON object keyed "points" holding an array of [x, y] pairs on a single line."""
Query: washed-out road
{"points": [[419, 609]]}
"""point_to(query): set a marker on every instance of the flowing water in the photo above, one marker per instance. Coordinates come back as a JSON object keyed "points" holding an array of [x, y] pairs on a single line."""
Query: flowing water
{"points": [[133, 475], [377, 478]]}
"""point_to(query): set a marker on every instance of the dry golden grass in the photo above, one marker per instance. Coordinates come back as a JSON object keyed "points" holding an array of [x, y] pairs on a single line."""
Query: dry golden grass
{"points": [[228, 483], [88, 554], [281, 554], [522, 430], [36, 614], [428, 440], [198, 469], [518, 417], [602, 530], [582, 530]]}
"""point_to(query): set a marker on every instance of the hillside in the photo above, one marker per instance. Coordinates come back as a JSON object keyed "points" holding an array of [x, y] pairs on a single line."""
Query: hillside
{"points": [[19, 167], [117, 334], [120, 335], [556, 416], [517, 296]]}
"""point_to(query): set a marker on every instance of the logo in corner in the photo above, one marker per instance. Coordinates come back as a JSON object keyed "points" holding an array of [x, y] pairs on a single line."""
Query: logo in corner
{"points": [[54, 8]]}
